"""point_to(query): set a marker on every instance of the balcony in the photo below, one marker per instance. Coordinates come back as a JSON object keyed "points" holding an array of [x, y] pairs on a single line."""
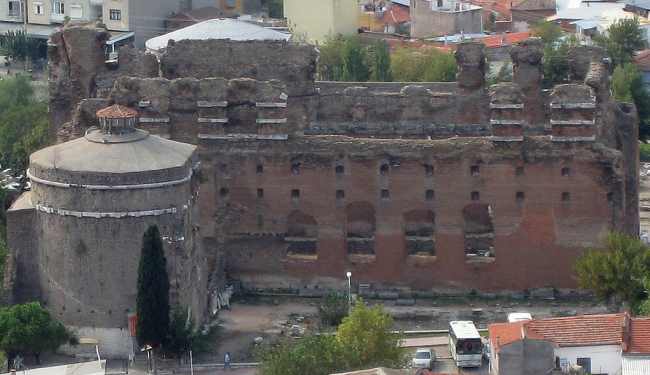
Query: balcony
{"points": [[57, 17]]}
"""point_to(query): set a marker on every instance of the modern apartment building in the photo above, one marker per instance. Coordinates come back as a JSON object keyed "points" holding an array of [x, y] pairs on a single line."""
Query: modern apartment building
{"points": [[11, 10], [316, 20], [144, 18], [48, 12]]}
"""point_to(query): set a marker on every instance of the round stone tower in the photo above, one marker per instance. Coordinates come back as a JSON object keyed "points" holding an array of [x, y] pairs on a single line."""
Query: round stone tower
{"points": [[93, 199]]}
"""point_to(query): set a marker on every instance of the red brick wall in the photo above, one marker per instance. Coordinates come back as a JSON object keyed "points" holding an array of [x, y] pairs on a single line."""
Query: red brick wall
{"points": [[536, 240]]}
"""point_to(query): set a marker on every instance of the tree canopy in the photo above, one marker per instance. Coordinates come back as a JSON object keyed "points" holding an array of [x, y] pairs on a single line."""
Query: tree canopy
{"points": [[18, 46], [30, 329], [347, 59], [184, 336], [367, 339], [153, 291], [619, 270], [623, 38], [418, 65], [363, 340], [23, 123]]}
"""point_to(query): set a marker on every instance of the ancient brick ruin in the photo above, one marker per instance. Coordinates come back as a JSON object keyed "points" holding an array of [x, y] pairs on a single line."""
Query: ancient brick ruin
{"points": [[417, 187]]}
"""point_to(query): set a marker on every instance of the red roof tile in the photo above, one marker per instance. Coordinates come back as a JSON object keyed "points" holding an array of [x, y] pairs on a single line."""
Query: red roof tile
{"points": [[117, 111], [504, 333], [396, 15], [605, 329], [505, 39], [639, 336]]}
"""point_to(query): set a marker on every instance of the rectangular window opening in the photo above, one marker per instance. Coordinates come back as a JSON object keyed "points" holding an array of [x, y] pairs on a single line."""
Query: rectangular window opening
{"points": [[260, 193], [428, 170], [115, 14], [295, 194], [429, 195], [566, 172], [385, 194], [475, 196], [475, 170], [340, 194]]}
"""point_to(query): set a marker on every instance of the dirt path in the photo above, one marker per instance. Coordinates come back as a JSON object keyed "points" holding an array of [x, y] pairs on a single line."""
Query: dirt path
{"points": [[244, 322]]}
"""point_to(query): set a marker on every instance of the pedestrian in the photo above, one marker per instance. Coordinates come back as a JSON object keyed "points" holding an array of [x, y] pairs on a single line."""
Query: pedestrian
{"points": [[226, 361]]}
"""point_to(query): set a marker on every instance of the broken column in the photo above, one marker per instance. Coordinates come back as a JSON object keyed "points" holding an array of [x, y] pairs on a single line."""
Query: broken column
{"points": [[470, 58], [527, 72], [76, 55]]}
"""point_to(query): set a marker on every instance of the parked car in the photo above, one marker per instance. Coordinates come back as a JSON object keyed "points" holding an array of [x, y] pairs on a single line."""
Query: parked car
{"points": [[423, 358]]}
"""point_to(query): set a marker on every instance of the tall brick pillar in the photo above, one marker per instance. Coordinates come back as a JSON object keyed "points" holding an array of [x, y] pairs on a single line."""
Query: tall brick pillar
{"points": [[470, 57], [527, 74]]}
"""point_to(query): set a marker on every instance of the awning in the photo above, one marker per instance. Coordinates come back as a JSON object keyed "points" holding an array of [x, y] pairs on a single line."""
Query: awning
{"points": [[117, 36]]}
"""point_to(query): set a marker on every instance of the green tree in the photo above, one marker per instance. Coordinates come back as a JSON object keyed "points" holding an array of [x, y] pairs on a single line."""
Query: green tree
{"points": [[153, 291], [440, 67], [623, 38], [184, 336], [333, 308], [617, 271], [417, 65], [380, 68], [556, 63], [364, 339], [548, 32], [23, 123], [504, 74], [18, 46], [330, 61], [355, 67], [627, 86], [320, 354], [367, 339], [30, 329], [644, 306]]}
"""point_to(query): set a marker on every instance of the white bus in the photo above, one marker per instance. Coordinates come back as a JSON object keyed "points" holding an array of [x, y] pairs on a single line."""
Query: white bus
{"points": [[465, 344]]}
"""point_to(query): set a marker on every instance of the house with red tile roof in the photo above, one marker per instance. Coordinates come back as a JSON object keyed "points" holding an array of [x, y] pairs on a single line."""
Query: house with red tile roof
{"points": [[597, 343], [636, 359]]}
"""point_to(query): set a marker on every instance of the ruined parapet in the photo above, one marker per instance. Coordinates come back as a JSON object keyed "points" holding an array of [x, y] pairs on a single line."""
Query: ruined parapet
{"points": [[598, 79], [470, 58], [190, 109], [78, 70], [76, 55], [507, 108], [527, 72], [580, 59], [291, 63], [573, 113]]}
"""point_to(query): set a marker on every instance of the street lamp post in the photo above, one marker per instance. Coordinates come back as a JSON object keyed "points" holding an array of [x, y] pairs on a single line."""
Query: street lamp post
{"points": [[349, 275]]}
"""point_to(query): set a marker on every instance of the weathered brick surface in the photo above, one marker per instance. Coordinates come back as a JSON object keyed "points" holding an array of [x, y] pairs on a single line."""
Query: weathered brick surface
{"points": [[368, 177]]}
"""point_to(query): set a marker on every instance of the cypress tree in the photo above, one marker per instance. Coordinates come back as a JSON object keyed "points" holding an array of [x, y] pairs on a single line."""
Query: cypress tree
{"points": [[381, 65], [153, 291], [354, 61]]}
